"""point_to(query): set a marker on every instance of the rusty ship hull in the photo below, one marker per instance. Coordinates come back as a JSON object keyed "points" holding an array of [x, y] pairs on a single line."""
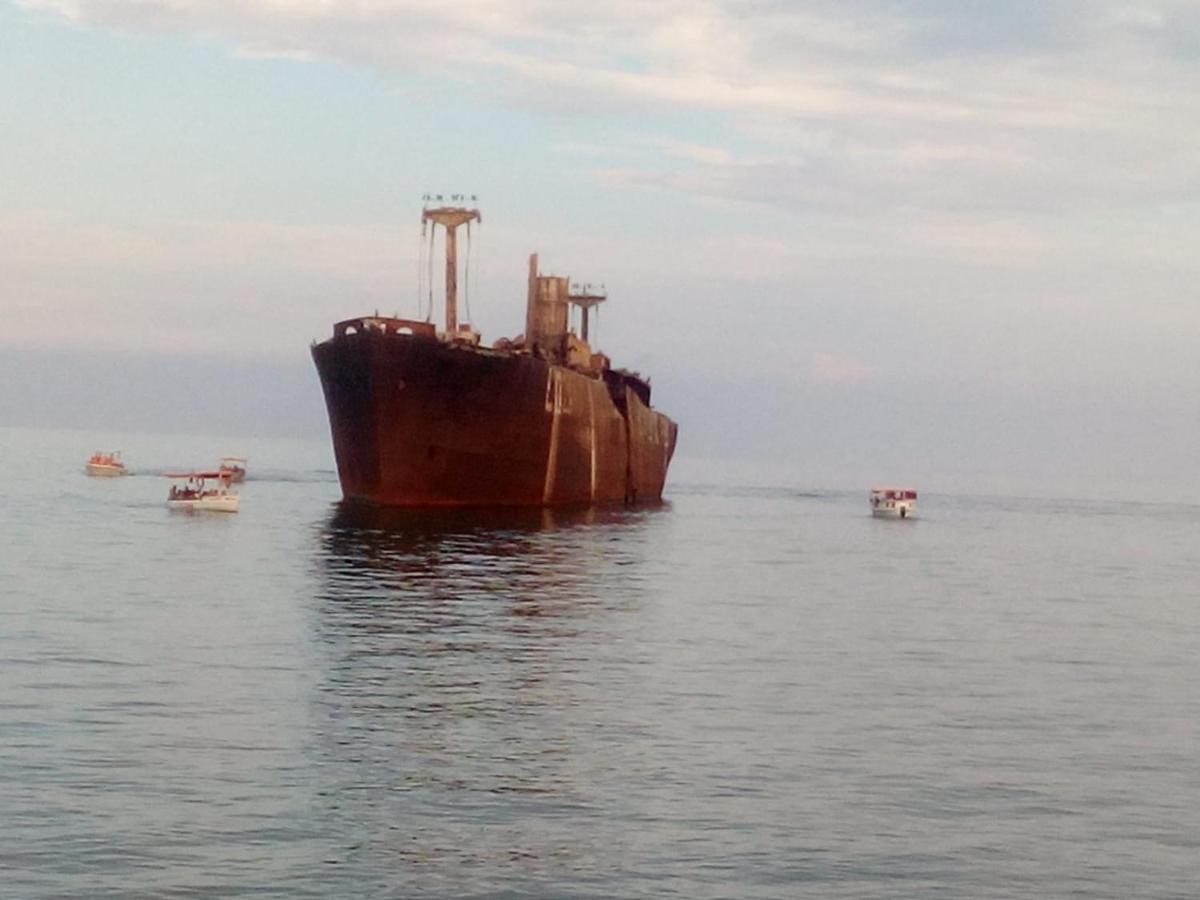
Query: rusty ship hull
{"points": [[418, 421]]}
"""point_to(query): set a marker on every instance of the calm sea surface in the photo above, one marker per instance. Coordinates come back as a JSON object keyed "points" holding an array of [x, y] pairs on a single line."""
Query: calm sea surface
{"points": [[745, 693]]}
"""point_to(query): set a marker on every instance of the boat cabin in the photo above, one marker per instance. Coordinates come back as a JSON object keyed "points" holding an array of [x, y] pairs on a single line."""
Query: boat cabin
{"points": [[893, 502]]}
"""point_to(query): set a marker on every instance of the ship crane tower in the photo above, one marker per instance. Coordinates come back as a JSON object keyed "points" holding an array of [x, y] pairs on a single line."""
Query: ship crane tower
{"points": [[450, 217], [585, 298]]}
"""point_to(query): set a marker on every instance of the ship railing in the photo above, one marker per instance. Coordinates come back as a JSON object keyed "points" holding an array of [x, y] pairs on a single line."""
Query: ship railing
{"points": [[384, 325]]}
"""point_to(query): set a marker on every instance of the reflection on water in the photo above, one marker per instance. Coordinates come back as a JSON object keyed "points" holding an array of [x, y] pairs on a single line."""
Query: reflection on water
{"points": [[530, 560], [464, 659]]}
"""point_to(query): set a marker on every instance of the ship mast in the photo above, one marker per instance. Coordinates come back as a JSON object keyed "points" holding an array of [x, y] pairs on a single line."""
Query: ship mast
{"points": [[585, 298], [450, 217]]}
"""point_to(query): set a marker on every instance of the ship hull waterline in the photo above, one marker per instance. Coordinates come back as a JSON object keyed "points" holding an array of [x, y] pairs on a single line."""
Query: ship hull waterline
{"points": [[417, 422]]}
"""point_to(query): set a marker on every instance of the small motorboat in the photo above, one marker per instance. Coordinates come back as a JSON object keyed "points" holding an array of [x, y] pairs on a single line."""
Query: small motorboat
{"points": [[893, 503], [202, 491], [106, 464], [235, 466]]}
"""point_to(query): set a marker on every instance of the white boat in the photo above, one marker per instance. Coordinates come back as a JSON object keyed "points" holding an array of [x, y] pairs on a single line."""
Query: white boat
{"points": [[893, 503], [235, 466], [202, 491], [106, 464]]}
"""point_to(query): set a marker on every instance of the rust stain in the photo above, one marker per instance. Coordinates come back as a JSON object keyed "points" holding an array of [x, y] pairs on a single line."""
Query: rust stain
{"points": [[427, 418]]}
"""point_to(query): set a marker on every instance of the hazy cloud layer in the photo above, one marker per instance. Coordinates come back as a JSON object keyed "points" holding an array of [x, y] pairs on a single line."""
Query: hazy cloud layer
{"points": [[1039, 105]]}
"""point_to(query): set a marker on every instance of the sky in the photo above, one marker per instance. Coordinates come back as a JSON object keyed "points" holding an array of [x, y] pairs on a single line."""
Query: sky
{"points": [[947, 242]]}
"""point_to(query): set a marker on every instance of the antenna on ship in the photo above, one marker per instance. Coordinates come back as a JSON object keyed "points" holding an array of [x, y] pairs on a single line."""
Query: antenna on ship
{"points": [[450, 218]]}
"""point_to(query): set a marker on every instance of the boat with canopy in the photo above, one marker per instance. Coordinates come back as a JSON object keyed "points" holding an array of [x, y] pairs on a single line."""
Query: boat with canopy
{"points": [[202, 491], [893, 503]]}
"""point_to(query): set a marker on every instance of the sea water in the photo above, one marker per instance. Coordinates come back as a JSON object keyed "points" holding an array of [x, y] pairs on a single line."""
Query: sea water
{"points": [[747, 692]]}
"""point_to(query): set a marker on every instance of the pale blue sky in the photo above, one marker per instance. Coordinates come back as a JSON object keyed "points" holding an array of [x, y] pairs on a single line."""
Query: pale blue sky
{"points": [[858, 239]]}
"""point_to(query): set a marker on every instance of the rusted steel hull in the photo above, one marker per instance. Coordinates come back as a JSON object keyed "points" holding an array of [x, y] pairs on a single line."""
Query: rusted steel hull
{"points": [[419, 422]]}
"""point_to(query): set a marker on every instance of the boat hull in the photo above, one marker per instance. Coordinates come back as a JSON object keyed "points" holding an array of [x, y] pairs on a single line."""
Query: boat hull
{"points": [[419, 422], [227, 503], [103, 470], [896, 512]]}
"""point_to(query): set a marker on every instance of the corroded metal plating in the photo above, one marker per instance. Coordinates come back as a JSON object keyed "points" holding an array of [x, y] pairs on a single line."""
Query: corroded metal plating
{"points": [[422, 418]]}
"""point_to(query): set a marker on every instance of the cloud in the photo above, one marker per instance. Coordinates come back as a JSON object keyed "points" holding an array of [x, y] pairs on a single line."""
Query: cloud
{"points": [[823, 59], [1149, 18], [211, 286], [1037, 105], [714, 156], [832, 369]]}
